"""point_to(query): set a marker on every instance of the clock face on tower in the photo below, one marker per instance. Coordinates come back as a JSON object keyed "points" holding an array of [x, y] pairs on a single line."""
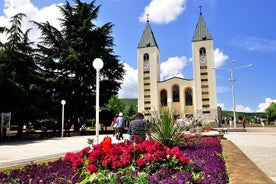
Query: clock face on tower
{"points": [[203, 60], [146, 66]]}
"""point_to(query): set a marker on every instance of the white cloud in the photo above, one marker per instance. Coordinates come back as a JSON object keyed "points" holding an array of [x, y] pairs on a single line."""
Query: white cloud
{"points": [[219, 58], [241, 108], [173, 67], [163, 11], [254, 43], [12, 7], [262, 106], [129, 87]]}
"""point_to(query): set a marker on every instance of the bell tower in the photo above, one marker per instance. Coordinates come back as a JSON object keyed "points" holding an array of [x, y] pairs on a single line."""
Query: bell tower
{"points": [[148, 71], [204, 75]]}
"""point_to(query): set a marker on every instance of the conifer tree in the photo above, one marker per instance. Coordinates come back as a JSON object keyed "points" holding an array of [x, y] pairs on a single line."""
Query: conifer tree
{"points": [[67, 55], [20, 79]]}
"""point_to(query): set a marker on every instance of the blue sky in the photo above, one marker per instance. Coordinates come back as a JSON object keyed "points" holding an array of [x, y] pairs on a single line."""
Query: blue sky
{"points": [[243, 31]]}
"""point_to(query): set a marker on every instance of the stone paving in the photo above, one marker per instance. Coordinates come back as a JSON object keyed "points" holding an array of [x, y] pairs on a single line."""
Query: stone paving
{"points": [[257, 144], [21, 152]]}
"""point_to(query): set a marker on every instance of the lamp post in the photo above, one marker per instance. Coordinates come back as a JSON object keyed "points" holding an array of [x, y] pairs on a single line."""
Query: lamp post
{"points": [[232, 80], [98, 65], [63, 102]]}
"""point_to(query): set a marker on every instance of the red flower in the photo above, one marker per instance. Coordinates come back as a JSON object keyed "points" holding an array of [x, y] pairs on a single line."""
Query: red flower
{"points": [[121, 155], [140, 162], [138, 139], [92, 168], [184, 160], [106, 144], [74, 158], [150, 158], [84, 151]]}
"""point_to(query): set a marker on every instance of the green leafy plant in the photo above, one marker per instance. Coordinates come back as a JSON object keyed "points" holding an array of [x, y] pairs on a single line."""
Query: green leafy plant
{"points": [[163, 129]]}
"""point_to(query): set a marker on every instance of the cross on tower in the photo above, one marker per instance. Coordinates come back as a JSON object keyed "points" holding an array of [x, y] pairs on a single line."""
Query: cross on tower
{"points": [[147, 17], [200, 10]]}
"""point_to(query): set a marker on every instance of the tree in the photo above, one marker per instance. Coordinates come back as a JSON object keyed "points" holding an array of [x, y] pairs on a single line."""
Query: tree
{"points": [[67, 57], [20, 78], [116, 105], [270, 112], [131, 111]]}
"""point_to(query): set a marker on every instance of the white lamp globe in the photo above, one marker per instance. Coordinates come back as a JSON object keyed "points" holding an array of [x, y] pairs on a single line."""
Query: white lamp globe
{"points": [[98, 63], [63, 102]]}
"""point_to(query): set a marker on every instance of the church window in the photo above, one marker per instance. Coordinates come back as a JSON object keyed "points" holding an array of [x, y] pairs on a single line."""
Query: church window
{"points": [[163, 96], [206, 106], [175, 93], [202, 51], [146, 57], [188, 96], [146, 78]]}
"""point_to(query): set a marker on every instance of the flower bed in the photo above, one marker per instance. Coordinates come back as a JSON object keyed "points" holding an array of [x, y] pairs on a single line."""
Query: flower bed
{"points": [[200, 160]]}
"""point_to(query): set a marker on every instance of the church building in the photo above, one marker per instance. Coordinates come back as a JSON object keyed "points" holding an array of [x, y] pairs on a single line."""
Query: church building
{"points": [[189, 98]]}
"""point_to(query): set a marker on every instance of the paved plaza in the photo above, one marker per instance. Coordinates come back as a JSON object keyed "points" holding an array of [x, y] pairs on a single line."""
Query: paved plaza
{"points": [[26, 151], [259, 144]]}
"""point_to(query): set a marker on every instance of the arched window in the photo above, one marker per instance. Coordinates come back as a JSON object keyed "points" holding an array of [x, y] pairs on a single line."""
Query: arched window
{"points": [[175, 93], [146, 57], [202, 51], [163, 98], [189, 96]]}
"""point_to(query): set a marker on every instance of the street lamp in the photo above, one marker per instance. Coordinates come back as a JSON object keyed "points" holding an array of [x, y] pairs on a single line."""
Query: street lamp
{"points": [[63, 102], [98, 65], [232, 80]]}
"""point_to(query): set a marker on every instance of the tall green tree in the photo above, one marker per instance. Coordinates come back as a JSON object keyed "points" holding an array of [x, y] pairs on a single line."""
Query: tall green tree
{"points": [[116, 105], [270, 112], [20, 78], [67, 56]]}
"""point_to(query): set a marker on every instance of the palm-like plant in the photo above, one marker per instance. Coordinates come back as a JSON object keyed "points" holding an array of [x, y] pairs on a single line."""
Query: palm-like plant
{"points": [[164, 130]]}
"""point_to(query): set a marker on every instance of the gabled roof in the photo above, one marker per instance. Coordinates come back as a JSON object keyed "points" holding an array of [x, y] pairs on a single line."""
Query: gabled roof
{"points": [[147, 39], [174, 78], [201, 31]]}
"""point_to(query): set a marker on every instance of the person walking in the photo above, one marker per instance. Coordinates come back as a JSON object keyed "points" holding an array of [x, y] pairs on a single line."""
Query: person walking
{"points": [[120, 126], [67, 128], [231, 121], [243, 123], [138, 128], [114, 124]]}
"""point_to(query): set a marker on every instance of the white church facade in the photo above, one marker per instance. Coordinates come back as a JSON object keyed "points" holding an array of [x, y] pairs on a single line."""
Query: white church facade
{"points": [[186, 97]]}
